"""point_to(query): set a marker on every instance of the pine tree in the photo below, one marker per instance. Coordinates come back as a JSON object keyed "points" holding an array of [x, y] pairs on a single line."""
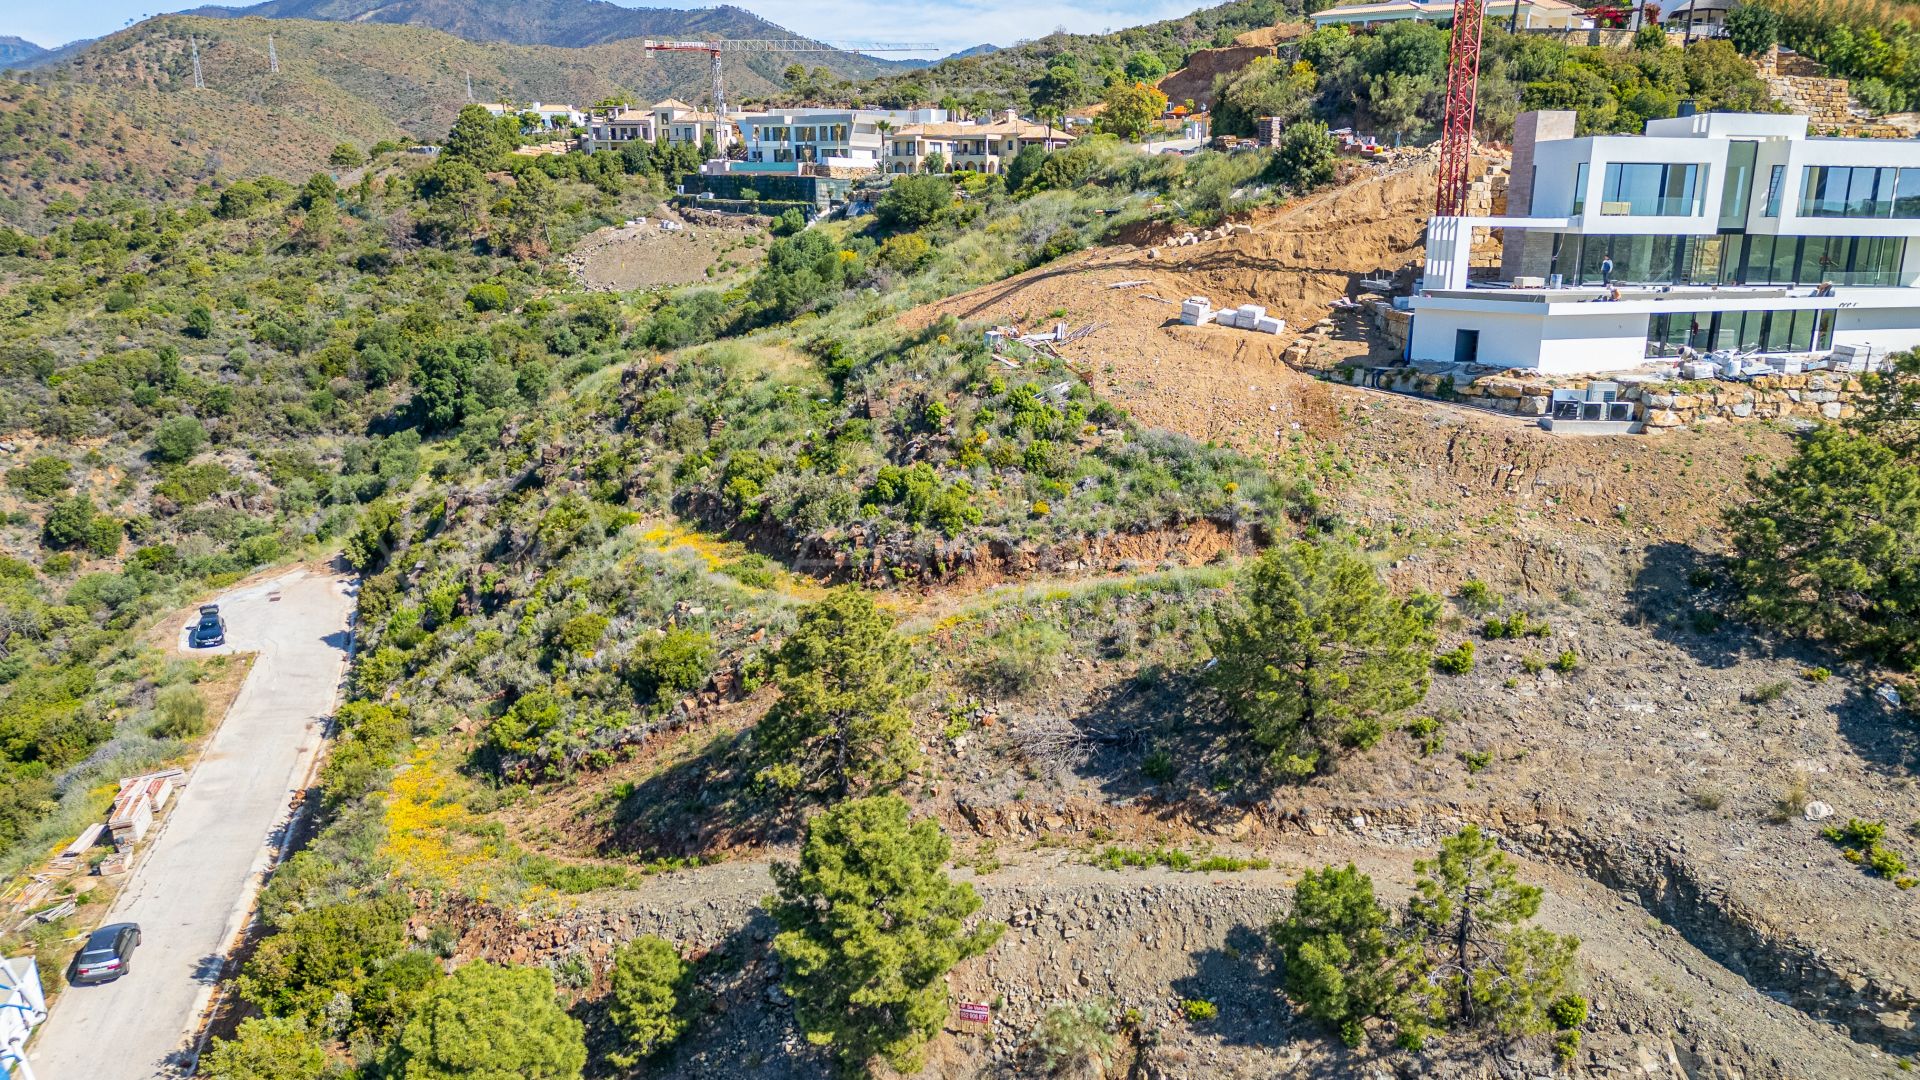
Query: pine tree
{"points": [[870, 925], [1830, 545], [841, 722], [1319, 654], [1344, 964], [489, 1022], [1888, 408], [649, 984], [1488, 967], [475, 139]]}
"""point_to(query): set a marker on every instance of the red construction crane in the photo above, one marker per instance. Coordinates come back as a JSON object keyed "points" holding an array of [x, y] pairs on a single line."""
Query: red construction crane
{"points": [[1463, 90], [716, 47]]}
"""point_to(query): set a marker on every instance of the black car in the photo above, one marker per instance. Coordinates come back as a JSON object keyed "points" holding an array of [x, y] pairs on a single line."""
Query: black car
{"points": [[211, 630], [106, 955]]}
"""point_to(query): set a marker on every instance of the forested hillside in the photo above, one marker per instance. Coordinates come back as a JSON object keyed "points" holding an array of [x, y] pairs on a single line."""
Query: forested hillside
{"points": [[1018, 77]]}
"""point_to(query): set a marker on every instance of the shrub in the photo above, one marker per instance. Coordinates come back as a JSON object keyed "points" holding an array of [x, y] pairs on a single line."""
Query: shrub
{"points": [[579, 635], [1568, 1011], [1455, 661], [1199, 1011], [1567, 662], [790, 221], [1074, 1039], [490, 1020], [1020, 656], [649, 984], [1566, 1047], [1476, 597], [266, 1048], [1767, 693], [1159, 767], [672, 664], [178, 439], [43, 478], [912, 202], [488, 296], [1428, 733], [179, 713]]}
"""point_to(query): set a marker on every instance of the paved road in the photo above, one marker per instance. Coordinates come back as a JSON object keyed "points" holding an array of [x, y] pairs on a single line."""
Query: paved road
{"points": [[195, 887]]}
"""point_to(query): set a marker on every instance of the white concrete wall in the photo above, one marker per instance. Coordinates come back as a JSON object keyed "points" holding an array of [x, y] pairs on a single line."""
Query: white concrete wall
{"points": [[1506, 340], [1872, 153], [1886, 329]]}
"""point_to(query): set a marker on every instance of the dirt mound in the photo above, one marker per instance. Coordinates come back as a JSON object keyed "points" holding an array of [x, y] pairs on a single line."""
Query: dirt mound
{"points": [[664, 250], [1205, 65], [1274, 35]]}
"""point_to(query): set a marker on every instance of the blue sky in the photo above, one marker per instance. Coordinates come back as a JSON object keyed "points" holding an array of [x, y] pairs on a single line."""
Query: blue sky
{"points": [[959, 23]]}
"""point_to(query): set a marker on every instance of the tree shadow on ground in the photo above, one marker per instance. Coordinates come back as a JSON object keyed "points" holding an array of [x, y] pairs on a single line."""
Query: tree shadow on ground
{"points": [[1679, 594], [701, 806], [741, 1025], [1885, 732], [1159, 736], [1240, 980]]}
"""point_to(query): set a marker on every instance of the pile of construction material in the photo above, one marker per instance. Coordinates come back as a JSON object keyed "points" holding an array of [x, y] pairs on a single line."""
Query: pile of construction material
{"points": [[1198, 310], [1206, 236]]}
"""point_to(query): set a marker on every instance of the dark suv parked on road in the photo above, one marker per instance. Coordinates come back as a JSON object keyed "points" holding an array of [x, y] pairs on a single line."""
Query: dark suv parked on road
{"points": [[212, 629], [106, 954]]}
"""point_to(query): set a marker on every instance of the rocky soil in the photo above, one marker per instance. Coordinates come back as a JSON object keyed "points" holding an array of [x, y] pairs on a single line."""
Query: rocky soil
{"points": [[656, 254], [1148, 939]]}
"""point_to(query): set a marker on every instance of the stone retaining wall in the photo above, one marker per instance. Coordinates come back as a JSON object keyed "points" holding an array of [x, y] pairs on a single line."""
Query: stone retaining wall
{"points": [[1661, 406]]}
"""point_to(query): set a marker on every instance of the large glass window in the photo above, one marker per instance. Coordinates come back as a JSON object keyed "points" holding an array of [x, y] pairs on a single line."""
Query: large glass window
{"points": [[1738, 184], [1732, 258], [1748, 331], [1643, 190], [1844, 191], [1774, 180], [1580, 190]]}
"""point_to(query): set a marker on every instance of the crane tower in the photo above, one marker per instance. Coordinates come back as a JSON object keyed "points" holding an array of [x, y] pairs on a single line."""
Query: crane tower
{"points": [[1463, 91]]}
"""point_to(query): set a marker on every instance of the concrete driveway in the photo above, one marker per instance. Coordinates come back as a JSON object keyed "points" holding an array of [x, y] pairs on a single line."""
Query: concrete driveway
{"points": [[194, 888]]}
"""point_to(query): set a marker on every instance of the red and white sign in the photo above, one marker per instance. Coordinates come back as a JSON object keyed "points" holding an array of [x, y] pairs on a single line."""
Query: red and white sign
{"points": [[975, 1012]]}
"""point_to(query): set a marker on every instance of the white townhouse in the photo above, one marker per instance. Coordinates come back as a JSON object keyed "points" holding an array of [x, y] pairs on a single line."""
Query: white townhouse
{"points": [[1725, 231], [552, 117], [841, 138]]}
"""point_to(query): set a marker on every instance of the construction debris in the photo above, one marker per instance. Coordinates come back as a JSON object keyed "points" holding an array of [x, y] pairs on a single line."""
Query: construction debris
{"points": [[1198, 310], [1128, 284]]}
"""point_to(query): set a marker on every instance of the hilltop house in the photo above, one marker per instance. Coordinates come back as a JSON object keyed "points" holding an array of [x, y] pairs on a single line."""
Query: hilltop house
{"points": [[982, 146], [838, 138], [1526, 14], [669, 121], [551, 117], [1725, 232]]}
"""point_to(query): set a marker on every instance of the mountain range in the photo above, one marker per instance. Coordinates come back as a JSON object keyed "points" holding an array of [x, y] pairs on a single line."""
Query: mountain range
{"points": [[16, 51], [567, 23]]}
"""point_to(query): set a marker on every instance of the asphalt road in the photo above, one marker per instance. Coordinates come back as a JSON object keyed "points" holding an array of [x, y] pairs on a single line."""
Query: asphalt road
{"points": [[194, 888]]}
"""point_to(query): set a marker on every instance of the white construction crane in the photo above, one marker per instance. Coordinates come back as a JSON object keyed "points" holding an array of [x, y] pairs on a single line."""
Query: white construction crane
{"points": [[715, 47]]}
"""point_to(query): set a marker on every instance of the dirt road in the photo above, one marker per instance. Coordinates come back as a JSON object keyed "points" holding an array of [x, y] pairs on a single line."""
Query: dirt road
{"points": [[195, 886]]}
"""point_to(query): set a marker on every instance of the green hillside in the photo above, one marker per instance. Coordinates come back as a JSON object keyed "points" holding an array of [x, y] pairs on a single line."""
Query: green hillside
{"points": [[145, 130]]}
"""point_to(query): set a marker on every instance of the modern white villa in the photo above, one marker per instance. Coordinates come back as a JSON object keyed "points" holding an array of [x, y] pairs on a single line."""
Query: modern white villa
{"points": [[843, 138], [1710, 233]]}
